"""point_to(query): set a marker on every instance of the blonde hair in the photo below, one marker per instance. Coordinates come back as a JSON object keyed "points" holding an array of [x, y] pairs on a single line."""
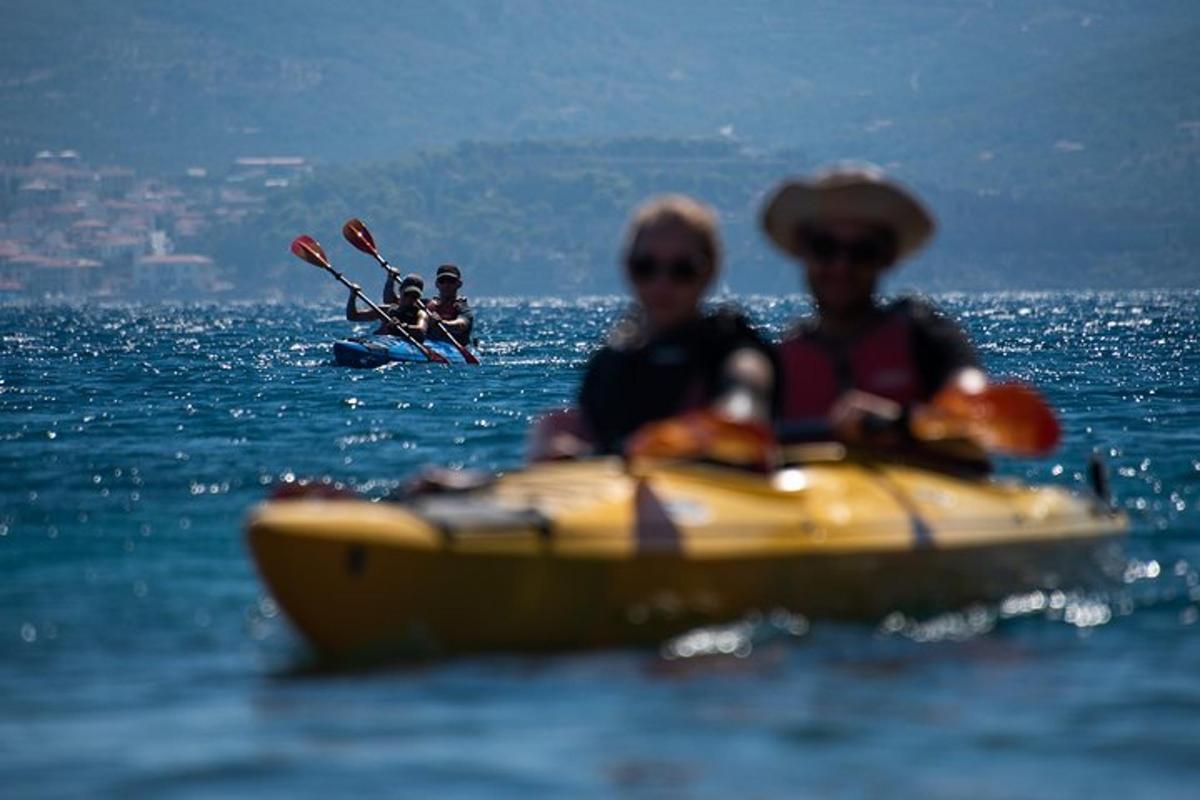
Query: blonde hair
{"points": [[676, 210]]}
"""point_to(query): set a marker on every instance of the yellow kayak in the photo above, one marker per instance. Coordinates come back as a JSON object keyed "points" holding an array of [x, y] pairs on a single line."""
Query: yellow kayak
{"points": [[599, 553]]}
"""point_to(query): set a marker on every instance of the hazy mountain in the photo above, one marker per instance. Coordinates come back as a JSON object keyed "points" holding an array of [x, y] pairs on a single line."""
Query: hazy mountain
{"points": [[1003, 95]]}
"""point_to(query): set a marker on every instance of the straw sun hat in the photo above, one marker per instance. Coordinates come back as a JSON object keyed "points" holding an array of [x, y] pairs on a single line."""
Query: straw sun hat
{"points": [[855, 192]]}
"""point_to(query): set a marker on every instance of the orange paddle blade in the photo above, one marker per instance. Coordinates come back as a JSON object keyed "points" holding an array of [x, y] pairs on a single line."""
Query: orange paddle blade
{"points": [[307, 248], [356, 233], [704, 434], [1008, 418]]}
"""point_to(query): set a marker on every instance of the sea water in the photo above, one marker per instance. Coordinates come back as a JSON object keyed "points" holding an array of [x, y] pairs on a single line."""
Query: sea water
{"points": [[141, 656]]}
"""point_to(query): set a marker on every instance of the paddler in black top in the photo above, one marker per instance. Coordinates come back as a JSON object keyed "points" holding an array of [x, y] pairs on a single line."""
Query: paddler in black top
{"points": [[669, 357], [859, 363], [450, 308], [402, 307]]}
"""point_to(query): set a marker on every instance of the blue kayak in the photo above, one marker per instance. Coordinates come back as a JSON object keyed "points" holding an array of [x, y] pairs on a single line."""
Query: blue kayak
{"points": [[377, 350]]}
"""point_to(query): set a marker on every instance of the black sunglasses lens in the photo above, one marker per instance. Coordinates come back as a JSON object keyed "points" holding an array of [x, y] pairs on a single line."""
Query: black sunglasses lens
{"points": [[864, 251], [642, 268], [683, 271], [824, 246]]}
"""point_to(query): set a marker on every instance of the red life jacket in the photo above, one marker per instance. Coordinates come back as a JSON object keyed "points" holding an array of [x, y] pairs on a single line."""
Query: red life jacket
{"points": [[816, 373]]}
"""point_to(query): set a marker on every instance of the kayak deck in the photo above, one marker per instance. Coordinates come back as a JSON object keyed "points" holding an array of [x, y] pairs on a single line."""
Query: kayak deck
{"points": [[588, 554]]}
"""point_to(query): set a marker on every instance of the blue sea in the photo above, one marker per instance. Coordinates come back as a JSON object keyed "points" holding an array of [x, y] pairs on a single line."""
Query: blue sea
{"points": [[141, 656]]}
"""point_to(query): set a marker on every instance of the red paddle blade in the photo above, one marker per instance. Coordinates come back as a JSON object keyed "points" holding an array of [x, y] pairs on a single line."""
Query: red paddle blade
{"points": [[704, 434], [1007, 417], [307, 248], [357, 234]]}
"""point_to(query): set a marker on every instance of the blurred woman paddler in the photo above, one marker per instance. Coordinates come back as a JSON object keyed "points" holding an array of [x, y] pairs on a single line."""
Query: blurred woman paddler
{"points": [[859, 363], [668, 356]]}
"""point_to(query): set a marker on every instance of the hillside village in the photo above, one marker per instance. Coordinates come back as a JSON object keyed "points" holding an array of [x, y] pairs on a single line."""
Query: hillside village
{"points": [[71, 230]]}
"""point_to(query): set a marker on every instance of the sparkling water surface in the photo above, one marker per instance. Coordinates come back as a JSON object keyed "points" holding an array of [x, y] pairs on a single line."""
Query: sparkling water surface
{"points": [[140, 656]]}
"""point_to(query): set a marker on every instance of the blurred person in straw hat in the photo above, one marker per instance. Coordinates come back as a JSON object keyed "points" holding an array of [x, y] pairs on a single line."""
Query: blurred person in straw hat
{"points": [[860, 363]]}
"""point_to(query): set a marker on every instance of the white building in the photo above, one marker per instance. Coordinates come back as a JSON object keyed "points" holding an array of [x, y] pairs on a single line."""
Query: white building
{"points": [[179, 275]]}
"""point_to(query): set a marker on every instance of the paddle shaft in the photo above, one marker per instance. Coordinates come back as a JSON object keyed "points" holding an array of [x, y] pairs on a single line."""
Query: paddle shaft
{"points": [[425, 351]]}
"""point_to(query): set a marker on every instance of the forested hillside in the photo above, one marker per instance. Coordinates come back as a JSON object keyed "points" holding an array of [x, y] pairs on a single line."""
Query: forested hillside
{"points": [[547, 218]]}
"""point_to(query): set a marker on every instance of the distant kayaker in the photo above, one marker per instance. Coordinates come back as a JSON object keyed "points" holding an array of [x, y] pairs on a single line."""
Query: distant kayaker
{"points": [[401, 306], [667, 357], [450, 308], [859, 363]]}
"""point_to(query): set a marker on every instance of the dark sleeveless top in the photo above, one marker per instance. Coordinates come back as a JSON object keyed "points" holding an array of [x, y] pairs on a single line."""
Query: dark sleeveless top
{"points": [[632, 380]]}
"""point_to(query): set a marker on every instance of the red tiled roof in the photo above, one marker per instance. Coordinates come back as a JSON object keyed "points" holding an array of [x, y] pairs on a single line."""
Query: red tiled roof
{"points": [[67, 263], [122, 204], [31, 259], [119, 241], [270, 161], [177, 258]]}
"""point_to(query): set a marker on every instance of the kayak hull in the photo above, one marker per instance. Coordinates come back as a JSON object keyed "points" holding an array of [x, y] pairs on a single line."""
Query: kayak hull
{"points": [[376, 350], [586, 555]]}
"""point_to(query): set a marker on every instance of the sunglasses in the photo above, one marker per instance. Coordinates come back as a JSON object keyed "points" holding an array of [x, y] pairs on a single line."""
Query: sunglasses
{"points": [[859, 251], [448, 279], [681, 271]]}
